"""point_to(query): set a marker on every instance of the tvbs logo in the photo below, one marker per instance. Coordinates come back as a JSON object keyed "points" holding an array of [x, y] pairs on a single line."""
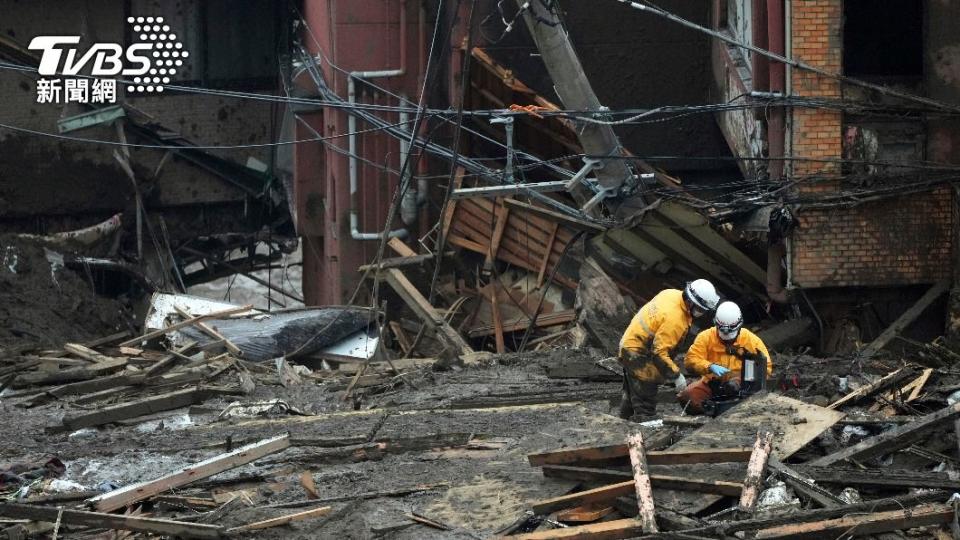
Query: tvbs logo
{"points": [[144, 66]]}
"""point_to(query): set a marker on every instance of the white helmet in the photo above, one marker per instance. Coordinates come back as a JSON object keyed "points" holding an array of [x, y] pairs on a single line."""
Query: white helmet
{"points": [[701, 294], [728, 320]]}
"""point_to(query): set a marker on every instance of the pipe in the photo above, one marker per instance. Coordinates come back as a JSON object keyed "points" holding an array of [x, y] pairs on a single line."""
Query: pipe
{"points": [[775, 289], [352, 129]]}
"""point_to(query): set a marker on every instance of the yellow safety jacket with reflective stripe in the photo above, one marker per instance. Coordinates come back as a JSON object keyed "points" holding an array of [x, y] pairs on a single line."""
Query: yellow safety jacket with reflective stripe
{"points": [[708, 349], [655, 331]]}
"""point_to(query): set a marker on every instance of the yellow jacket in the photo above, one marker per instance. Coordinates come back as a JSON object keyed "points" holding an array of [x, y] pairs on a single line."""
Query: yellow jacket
{"points": [[708, 349], [657, 329]]}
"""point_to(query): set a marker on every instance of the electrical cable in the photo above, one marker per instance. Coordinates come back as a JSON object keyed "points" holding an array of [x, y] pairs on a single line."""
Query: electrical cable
{"points": [[646, 7]]}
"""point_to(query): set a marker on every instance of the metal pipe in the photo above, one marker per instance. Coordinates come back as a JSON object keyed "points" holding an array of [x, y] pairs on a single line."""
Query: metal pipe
{"points": [[409, 203], [352, 129]]}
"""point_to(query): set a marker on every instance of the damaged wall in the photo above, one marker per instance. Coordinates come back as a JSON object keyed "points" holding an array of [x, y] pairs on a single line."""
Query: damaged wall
{"points": [[899, 241]]}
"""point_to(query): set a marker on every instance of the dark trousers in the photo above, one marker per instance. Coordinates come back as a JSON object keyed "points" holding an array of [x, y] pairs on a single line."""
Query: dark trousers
{"points": [[638, 401]]}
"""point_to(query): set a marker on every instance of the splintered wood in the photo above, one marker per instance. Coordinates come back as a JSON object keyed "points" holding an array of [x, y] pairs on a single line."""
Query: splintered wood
{"points": [[641, 482], [755, 469]]}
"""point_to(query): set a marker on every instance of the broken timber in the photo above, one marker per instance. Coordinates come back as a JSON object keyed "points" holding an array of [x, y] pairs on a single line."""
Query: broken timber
{"points": [[641, 482], [864, 391], [865, 524], [904, 320], [893, 439], [755, 469], [662, 457], [97, 520], [419, 304], [123, 411], [184, 323], [86, 373], [282, 520], [125, 496]]}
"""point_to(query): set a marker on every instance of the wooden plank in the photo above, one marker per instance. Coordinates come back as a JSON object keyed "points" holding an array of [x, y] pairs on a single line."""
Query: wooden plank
{"points": [[184, 323], [886, 478], [282, 520], [860, 525], [659, 481], [85, 352], [96, 385], [590, 496], [212, 332], [904, 320], [803, 486], [503, 215], [546, 258], [607, 530], [416, 301], [908, 393], [169, 360], [641, 482], [97, 520], [864, 391], [755, 470], [401, 248], [556, 217], [660, 457], [584, 514], [507, 257], [72, 374], [128, 495], [893, 439], [124, 411]]}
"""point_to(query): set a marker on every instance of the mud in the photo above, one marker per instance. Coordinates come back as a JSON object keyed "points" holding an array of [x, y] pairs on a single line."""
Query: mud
{"points": [[44, 304]]}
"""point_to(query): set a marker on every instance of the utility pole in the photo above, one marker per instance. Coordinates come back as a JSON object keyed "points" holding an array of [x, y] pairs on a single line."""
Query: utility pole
{"points": [[575, 92]]}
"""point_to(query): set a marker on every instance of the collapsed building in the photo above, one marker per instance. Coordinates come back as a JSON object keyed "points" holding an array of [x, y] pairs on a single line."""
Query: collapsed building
{"points": [[483, 193]]}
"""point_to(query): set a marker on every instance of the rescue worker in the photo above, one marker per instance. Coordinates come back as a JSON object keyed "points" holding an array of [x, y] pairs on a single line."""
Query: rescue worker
{"points": [[717, 354], [648, 343]]}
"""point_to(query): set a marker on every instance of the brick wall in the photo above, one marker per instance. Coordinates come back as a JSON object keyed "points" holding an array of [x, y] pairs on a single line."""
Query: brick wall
{"points": [[899, 241]]}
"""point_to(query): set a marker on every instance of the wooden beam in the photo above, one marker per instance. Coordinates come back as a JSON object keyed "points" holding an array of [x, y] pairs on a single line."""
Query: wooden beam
{"points": [[555, 217], [282, 520], [187, 322], [401, 248], [904, 320], [590, 496], [803, 486], [755, 470], [641, 482], [885, 478], [892, 439], [422, 308], [659, 481], [97, 520], [607, 530], [169, 360], [85, 352], [890, 378], [133, 409], [860, 525], [125, 496], [400, 262], [662, 457], [212, 332], [502, 214], [542, 272], [86, 373]]}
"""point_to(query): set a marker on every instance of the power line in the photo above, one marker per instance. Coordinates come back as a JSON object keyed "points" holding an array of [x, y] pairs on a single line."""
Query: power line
{"points": [[789, 61]]}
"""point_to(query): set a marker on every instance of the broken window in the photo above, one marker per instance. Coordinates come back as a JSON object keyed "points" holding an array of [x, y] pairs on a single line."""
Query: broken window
{"points": [[883, 39]]}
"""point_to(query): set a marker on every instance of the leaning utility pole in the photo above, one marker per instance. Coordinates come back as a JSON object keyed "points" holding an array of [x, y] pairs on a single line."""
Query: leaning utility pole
{"points": [[574, 89]]}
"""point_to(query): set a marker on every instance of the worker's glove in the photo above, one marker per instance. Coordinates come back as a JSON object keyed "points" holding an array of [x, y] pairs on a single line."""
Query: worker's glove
{"points": [[681, 383], [719, 371]]}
